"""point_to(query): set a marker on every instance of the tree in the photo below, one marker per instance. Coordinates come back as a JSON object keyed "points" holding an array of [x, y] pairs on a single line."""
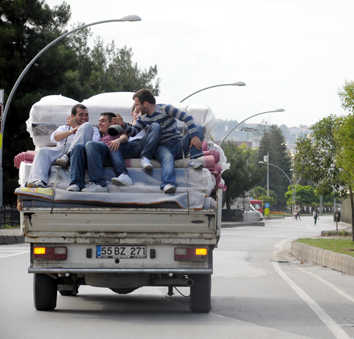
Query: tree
{"points": [[305, 196], [243, 174], [273, 142], [70, 68], [318, 158]]}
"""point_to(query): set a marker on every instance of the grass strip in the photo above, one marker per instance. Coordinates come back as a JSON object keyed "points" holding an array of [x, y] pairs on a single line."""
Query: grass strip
{"points": [[344, 246]]}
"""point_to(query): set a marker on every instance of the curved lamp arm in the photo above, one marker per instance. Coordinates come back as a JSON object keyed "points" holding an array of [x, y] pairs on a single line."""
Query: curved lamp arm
{"points": [[277, 110], [8, 102], [239, 83]]}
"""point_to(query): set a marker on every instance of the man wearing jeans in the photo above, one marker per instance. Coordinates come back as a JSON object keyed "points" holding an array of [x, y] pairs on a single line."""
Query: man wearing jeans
{"points": [[98, 154], [76, 131], [141, 145], [171, 145]]}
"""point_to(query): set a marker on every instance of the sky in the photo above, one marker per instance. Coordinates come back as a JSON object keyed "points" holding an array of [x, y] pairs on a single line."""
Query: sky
{"points": [[292, 54]]}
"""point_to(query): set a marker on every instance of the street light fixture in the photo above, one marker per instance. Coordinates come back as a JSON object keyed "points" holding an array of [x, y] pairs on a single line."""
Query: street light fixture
{"points": [[238, 83], [276, 110], [8, 102]]}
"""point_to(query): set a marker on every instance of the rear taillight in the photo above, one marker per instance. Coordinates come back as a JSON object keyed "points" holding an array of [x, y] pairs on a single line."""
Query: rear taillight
{"points": [[191, 254], [49, 253]]}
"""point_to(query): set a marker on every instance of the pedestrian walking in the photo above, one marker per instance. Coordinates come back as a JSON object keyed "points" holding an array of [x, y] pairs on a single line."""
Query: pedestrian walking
{"points": [[315, 215]]}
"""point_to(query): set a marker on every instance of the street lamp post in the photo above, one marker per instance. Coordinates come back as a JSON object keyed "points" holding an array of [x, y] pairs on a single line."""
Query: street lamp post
{"points": [[8, 102], [277, 110], [239, 83], [268, 163]]}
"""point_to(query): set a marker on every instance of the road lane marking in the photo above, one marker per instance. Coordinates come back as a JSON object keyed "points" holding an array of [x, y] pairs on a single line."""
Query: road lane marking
{"points": [[335, 288], [11, 255], [336, 330]]}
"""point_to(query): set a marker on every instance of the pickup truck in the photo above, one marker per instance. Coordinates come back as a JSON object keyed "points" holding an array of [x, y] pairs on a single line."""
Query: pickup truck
{"points": [[130, 237]]}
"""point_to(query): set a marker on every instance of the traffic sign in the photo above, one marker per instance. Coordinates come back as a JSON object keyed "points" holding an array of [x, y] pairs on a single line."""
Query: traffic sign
{"points": [[266, 205]]}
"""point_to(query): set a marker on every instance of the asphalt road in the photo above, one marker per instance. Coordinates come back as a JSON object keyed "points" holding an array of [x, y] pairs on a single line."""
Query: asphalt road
{"points": [[259, 291]]}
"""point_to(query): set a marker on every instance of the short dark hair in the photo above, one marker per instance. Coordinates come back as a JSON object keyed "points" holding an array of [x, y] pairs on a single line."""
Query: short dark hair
{"points": [[145, 95], [110, 115], [74, 109]]}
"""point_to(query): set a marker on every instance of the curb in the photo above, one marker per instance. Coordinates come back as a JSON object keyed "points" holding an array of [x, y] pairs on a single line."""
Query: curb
{"points": [[241, 224], [337, 261], [11, 239]]}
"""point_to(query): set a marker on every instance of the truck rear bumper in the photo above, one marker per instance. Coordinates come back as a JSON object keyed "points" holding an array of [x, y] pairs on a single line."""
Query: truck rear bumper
{"points": [[120, 270]]}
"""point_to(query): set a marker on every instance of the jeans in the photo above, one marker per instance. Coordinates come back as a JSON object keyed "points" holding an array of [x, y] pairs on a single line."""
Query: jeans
{"points": [[97, 155], [144, 147], [168, 152], [47, 155]]}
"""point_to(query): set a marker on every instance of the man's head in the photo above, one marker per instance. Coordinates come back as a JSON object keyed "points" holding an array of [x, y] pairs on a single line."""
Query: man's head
{"points": [[135, 112], [80, 113], [144, 101], [105, 121]]}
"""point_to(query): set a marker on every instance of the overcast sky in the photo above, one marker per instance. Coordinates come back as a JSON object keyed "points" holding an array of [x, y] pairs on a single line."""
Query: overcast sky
{"points": [[292, 54]]}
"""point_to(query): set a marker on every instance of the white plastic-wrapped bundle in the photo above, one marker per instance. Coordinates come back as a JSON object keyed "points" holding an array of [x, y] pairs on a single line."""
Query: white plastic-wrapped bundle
{"points": [[46, 116], [51, 111]]}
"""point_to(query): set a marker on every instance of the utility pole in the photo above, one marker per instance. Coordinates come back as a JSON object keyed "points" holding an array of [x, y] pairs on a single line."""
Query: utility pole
{"points": [[1, 134], [266, 160]]}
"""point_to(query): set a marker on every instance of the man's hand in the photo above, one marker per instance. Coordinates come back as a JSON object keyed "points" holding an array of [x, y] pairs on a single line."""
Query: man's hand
{"points": [[70, 121], [73, 131], [118, 120], [114, 145], [195, 141]]}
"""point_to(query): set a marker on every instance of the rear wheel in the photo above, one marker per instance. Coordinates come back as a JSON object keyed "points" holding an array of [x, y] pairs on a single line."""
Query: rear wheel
{"points": [[200, 298], [44, 292]]}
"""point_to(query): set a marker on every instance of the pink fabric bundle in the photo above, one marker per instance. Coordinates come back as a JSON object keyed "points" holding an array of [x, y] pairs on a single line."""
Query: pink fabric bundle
{"points": [[24, 156]]}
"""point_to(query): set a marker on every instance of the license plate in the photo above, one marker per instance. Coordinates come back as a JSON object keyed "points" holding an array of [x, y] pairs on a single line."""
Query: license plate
{"points": [[121, 252]]}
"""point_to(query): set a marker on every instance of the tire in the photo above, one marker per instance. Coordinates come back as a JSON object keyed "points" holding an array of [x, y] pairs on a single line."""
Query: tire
{"points": [[200, 298], [44, 292]]}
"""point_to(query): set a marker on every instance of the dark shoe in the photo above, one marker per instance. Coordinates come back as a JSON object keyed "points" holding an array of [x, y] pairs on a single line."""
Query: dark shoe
{"points": [[63, 161], [36, 183]]}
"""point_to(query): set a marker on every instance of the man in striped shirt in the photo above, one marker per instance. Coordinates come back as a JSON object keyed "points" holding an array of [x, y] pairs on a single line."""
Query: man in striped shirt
{"points": [[171, 142]]}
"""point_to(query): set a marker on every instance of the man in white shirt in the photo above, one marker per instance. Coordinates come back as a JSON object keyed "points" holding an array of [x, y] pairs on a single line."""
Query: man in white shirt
{"points": [[76, 131]]}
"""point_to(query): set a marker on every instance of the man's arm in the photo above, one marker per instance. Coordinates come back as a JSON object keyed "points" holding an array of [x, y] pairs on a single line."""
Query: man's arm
{"points": [[114, 144], [129, 130], [189, 121], [70, 121]]}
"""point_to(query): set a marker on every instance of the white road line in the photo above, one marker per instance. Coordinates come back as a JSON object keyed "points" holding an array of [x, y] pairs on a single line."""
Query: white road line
{"points": [[336, 330], [11, 255], [335, 288]]}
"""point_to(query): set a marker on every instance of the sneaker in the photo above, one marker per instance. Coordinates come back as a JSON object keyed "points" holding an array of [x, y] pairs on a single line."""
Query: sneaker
{"points": [[196, 164], [145, 163], [169, 189], [95, 188], [123, 179], [73, 188], [36, 183], [63, 161]]}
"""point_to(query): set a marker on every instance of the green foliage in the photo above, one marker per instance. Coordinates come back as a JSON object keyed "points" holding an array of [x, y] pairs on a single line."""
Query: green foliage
{"points": [[315, 158], [305, 196], [344, 137], [271, 200], [257, 191], [346, 95], [243, 174], [70, 68], [273, 141]]}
